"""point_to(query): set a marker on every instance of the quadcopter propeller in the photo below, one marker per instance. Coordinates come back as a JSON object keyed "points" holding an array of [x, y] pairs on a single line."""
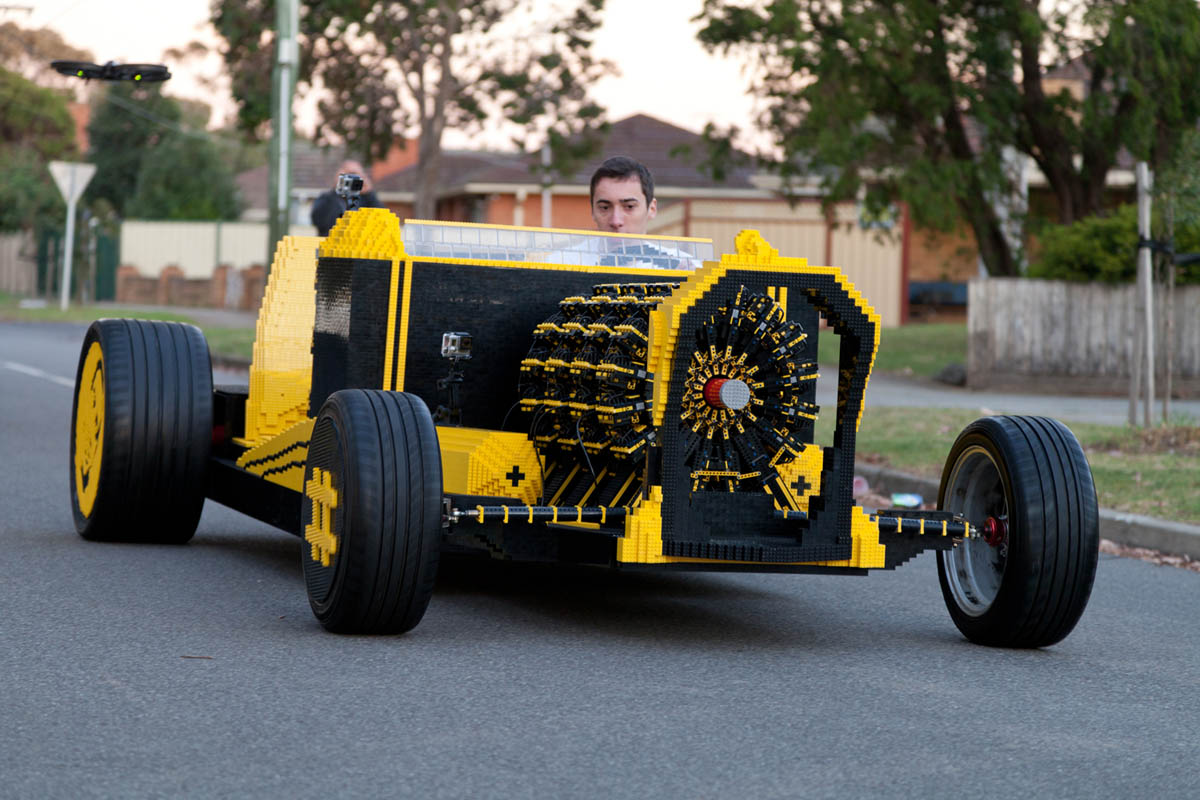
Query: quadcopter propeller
{"points": [[145, 73]]}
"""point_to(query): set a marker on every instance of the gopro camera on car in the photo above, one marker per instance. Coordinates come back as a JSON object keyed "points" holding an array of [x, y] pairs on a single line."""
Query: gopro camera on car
{"points": [[456, 345]]}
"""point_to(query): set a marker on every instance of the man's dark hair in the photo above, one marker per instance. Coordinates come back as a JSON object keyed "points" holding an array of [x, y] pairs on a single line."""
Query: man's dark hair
{"points": [[621, 167]]}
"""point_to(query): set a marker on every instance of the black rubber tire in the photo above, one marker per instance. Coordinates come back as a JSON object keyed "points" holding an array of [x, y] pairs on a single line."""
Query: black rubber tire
{"points": [[148, 412], [1032, 473], [379, 451]]}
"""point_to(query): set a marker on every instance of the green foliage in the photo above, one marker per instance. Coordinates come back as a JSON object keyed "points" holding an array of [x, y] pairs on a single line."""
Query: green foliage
{"points": [[35, 128], [129, 120], [34, 118], [1103, 248], [28, 195], [183, 177], [149, 166], [918, 102]]}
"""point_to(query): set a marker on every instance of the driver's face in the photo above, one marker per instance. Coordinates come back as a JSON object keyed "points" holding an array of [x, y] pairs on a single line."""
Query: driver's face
{"points": [[618, 205]]}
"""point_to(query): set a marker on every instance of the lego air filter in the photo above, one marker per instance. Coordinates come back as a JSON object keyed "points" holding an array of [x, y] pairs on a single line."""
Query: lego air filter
{"points": [[741, 408]]}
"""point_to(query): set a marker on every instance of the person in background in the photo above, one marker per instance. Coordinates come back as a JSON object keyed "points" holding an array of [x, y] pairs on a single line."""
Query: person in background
{"points": [[328, 206], [622, 196]]}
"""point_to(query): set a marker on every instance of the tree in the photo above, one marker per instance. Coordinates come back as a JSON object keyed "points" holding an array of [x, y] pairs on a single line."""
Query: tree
{"points": [[127, 122], [29, 51], [923, 101], [184, 177], [35, 128], [33, 117], [384, 69]]}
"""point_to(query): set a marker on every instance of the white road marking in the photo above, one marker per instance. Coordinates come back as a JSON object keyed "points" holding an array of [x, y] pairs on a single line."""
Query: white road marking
{"points": [[37, 373]]}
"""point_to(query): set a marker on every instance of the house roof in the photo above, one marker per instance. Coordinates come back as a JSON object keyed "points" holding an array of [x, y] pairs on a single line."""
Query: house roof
{"points": [[461, 167], [313, 171], [642, 137]]}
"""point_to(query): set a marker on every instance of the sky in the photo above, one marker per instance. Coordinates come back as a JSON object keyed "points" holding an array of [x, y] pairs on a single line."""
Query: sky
{"points": [[664, 71]]}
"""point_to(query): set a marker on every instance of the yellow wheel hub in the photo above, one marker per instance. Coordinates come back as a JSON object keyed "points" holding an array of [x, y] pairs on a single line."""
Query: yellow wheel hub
{"points": [[320, 535], [89, 429]]}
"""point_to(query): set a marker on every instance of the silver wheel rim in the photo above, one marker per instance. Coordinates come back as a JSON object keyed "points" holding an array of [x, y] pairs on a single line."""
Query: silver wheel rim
{"points": [[975, 569]]}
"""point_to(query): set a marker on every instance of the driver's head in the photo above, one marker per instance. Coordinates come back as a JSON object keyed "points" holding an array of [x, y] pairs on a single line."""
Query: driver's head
{"points": [[623, 196]]}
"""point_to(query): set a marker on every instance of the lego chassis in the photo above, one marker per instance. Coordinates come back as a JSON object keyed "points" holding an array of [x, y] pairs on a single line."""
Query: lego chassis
{"points": [[630, 402]]}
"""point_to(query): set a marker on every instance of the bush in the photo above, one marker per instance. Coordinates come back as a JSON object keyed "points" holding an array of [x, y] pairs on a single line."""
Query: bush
{"points": [[1104, 249]]}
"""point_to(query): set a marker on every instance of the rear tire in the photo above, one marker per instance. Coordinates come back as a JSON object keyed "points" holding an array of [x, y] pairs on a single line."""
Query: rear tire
{"points": [[372, 513], [141, 431], [1029, 586]]}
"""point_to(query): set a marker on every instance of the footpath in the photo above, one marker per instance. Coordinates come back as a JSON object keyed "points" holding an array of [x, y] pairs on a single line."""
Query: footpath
{"points": [[1131, 530]]}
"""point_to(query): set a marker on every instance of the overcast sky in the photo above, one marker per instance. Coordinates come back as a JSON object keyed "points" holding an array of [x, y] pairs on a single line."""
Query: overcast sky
{"points": [[664, 70]]}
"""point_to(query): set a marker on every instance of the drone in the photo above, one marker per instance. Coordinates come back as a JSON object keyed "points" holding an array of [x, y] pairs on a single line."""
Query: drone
{"points": [[145, 73]]}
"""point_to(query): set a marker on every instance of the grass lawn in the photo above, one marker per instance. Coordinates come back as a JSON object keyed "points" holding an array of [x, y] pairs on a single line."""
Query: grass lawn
{"points": [[230, 342], [10, 310], [915, 349]]}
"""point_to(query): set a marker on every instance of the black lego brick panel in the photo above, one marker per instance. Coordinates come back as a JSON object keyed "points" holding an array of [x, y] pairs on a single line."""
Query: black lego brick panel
{"points": [[499, 307], [697, 526], [350, 328]]}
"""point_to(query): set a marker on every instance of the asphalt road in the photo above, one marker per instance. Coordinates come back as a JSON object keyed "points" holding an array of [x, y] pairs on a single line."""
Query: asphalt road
{"points": [[142, 671]]}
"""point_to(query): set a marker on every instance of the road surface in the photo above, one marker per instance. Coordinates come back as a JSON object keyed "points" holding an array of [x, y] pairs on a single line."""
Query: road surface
{"points": [[144, 671]]}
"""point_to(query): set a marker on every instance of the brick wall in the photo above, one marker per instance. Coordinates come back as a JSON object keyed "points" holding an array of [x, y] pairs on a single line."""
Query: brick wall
{"points": [[228, 288]]}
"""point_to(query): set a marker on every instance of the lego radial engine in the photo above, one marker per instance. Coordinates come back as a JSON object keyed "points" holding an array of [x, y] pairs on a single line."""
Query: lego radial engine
{"points": [[626, 401]]}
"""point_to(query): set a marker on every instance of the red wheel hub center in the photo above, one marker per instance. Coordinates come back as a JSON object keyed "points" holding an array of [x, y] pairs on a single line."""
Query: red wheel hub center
{"points": [[728, 393], [995, 531]]}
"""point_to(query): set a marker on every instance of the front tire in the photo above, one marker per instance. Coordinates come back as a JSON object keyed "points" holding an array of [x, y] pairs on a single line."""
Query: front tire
{"points": [[141, 431], [1026, 484], [372, 513]]}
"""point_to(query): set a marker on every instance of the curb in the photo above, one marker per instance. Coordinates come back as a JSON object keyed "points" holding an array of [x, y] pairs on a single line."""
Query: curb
{"points": [[1133, 530]]}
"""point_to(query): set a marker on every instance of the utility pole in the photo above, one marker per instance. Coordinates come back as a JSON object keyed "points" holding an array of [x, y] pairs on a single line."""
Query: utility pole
{"points": [[546, 223], [283, 86], [1144, 307]]}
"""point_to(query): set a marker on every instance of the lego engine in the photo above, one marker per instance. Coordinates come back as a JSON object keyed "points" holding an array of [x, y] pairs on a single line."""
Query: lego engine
{"points": [[586, 385]]}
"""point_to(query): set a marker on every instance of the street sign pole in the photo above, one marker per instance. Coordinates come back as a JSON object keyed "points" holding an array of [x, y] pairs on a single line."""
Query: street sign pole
{"points": [[72, 178]]}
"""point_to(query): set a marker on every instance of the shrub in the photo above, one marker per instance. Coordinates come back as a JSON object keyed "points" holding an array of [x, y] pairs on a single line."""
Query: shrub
{"points": [[1104, 249]]}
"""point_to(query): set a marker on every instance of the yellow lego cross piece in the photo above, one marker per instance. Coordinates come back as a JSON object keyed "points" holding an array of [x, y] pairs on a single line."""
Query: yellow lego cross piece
{"points": [[319, 533]]}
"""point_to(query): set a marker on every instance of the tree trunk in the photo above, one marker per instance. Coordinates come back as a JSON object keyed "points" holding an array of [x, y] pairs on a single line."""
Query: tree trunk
{"points": [[429, 168], [994, 248]]}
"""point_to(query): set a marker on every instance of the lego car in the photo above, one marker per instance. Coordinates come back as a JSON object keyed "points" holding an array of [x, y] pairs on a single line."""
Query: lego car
{"points": [[630, 402]]}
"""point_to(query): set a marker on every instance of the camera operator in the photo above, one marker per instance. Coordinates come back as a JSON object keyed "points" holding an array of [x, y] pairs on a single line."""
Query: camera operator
{"points": [[329, 205]]}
